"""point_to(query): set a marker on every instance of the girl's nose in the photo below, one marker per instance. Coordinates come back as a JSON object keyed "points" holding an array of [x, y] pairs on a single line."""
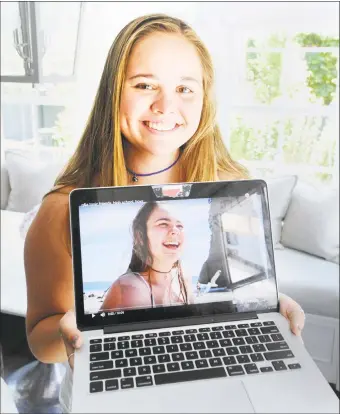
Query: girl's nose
{"points": [[163, 104]]}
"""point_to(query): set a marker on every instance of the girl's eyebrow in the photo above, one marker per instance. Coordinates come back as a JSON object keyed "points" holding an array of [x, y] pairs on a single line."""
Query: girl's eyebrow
{"points": [[150, 76]]}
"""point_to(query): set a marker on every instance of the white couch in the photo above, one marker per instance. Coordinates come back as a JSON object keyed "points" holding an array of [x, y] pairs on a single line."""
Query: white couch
{"points": [[311, 279]]}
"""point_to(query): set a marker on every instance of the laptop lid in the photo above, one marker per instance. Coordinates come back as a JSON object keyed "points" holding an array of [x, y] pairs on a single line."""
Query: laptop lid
{"points": [[212, 239]]}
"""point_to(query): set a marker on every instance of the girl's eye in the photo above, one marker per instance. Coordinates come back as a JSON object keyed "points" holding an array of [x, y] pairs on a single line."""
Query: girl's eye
{"points": [[163, 224], [184, 90], [144, 86]]}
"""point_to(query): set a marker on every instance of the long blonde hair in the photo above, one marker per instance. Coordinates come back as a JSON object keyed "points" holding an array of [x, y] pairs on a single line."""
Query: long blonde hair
{"points": [[100, 151]]}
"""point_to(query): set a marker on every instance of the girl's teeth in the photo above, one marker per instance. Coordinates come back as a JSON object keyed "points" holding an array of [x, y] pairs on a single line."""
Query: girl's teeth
{"points": [[160, 127]]}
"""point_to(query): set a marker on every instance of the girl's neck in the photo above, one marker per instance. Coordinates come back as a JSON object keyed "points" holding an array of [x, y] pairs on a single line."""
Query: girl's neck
{"points": [[146, 163]]}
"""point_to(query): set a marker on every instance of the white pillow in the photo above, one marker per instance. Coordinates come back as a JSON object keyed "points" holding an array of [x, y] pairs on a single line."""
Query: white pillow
{"points": [[280, 190], [312, 222], [31, 176]]}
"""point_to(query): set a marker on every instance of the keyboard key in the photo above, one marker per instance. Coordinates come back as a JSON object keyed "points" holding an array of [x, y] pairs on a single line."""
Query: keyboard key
{"points": [[215, 335], [111, 385], [101, 375], [144, 351], [96, 348], [228, 327], [202, 337], [254, 331], [228, 334], [217, 328], [232, 350], [176, 339], [172, 348], [251, 340], [178, 332], [191, 331], [156, 350], [264, 338], [117, 354], [251, 368], [229, 360], [173, 366], [164, 358], [278, 355], [158, 368], [276, 346], [212, 344], [190, 338], [235, 370], [259, 348], [218, 352], [129, 353], [266, 369], [95, 366], [148, 360], [126, 383], [129, 372], [204, 330], [135, 361], [136, 344], [144, 370], [279, 365], [256, 357], [243, 325], [238, 341], [162, 334], [201, 363], [269, 329], [198, 345], [191, 355], [163, 341], [110, 339], [205, 353], [178, 357], [182, 376], [294, 366], [150, 342], [268, 323], [123, 338], [151, 335], [276, 337], [123, 345], [241, 332], [215, 362], [254, 324], [121, 363], [140, 336], [99, 356], [144, 381], [243, 359], [246, 349], [96, 386], [187, 346], [96, 341], [110, 346], [187, 365]]}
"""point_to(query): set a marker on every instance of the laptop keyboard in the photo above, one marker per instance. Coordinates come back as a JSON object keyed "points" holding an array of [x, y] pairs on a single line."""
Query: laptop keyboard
{"points": [[170, 356]]}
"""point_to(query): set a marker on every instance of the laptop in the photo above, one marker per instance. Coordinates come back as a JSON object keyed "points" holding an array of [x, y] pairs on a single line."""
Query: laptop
{"points": [[177, 300]]}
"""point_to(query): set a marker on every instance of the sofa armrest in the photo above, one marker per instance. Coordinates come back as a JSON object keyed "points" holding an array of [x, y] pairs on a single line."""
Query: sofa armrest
{"points": [[5, 185]]}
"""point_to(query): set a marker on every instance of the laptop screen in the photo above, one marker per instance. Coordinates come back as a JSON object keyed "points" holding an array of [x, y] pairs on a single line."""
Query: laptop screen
{"points": [[153, 257]]}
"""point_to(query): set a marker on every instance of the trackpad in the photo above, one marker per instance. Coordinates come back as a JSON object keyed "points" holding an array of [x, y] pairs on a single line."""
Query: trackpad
{"points": [[207, 396]]}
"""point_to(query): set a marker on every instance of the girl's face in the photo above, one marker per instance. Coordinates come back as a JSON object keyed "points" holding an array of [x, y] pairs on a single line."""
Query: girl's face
{"points": [[162, 96], [165, 235]]}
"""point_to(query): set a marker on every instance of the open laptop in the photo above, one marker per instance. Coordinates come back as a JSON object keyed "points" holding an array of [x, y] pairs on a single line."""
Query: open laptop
{"points": [[222, 345]]}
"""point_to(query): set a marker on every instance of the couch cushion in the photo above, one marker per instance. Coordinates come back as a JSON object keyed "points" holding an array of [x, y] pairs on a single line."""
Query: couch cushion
{"points": [[31, 175], [311, 281], [279, 193], [312, 222], [13, 280]]}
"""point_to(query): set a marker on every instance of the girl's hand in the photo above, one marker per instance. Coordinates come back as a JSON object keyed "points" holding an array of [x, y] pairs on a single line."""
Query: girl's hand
{"points": [[292, 311], [70, 334]]}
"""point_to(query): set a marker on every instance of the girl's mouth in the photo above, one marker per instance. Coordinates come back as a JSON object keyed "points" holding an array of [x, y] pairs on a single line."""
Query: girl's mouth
{"points": [[160, 127], [171, 245]]}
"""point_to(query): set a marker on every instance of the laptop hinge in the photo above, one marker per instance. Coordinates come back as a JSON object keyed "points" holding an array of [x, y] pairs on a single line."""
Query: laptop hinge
{"points": [[171, 323]]}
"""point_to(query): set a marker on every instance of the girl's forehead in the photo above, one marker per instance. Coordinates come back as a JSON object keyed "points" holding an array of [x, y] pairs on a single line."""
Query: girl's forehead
{"points": [[166, 211], [165, 54]]}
